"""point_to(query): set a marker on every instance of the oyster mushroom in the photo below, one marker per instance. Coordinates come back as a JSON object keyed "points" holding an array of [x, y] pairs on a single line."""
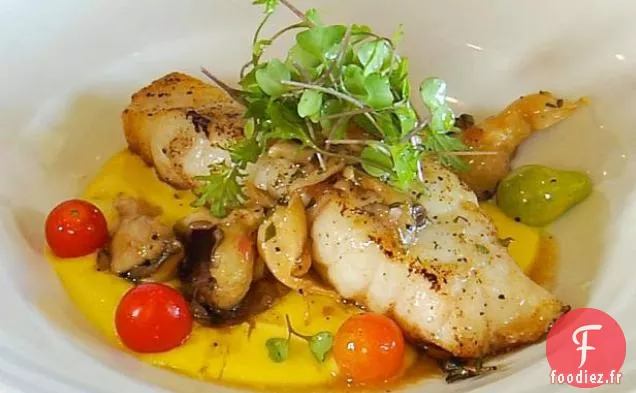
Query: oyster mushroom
{"points": [[219, 268], [284, 246], [142, 248]]}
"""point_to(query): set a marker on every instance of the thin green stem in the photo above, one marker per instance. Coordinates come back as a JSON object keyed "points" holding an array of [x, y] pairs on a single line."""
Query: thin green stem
{"points": [[312, 134], [326, 90], [349, 142], [338, 94], [290, 329], [293, 9], [350, 113], [234, 93], [286, 29], [272, 39]]}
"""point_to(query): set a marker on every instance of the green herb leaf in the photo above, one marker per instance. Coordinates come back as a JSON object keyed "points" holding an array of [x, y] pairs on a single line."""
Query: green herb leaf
{"points": [[406, 116], [405, 160], [376, 161], [306, 65], [433, 93], [245, 151], [256, 108], [270, 5], [337, 127], [320, 344], [378, 91], [364, 123], [221, 190], [398, 35], [271, 76], [360, 29], [442, 120], [277, 349], [353, 78], [389, 124], [248, 127], [310, 103], [312, 17], [286, 124], [373, 55], [259, 47], [441, 143], [318, 41], [399, 74], [250, 85]]}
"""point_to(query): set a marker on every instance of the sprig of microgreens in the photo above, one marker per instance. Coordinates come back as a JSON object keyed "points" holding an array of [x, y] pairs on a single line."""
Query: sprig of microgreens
{"points": [[221, 190], [335, 75], [319, 344]]}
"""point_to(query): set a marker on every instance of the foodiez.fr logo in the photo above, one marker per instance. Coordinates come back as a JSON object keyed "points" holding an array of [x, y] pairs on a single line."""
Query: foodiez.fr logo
{"points": [[586, 348]]}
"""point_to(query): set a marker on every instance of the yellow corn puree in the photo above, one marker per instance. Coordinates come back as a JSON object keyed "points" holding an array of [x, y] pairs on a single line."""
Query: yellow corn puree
{"points": [[235, 355]]}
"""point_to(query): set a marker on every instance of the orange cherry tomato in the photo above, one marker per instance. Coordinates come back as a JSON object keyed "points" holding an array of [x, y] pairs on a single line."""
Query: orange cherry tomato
{"points": [[75, 228], [369, 348], [153, 318]]}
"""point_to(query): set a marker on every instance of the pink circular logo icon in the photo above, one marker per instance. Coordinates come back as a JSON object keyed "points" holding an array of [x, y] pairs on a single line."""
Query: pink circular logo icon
{"points": [[586, 348]]}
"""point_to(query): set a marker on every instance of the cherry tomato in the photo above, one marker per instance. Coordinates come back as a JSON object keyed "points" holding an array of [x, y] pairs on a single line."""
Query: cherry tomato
{"points": [[369, 348], [153, 318], [75, 228]]}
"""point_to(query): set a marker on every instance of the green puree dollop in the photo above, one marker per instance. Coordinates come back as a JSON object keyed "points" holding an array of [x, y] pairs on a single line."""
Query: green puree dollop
{"points": [[536, 195]]}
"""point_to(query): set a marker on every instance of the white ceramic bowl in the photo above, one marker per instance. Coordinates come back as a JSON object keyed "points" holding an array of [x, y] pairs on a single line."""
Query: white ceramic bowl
{"points": [[69, 67]]}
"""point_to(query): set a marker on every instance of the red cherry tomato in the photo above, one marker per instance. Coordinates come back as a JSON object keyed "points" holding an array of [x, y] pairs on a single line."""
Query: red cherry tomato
{"points": [[153, 318], [75, 228], [369, 348]]}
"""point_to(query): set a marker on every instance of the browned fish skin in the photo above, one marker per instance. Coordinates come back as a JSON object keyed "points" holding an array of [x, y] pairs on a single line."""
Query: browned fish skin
{"points": [[455, 287], [180, 124]]}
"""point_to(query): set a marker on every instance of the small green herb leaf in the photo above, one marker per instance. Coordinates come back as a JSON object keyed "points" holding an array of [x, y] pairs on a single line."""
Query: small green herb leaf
{"points": [[360, 29], [304, 63], [373, 55], [310, 103], [442, 119], [377, 161], [406, 116], [278, 349], [335, 128], [318, 41], [320, 344], [250, 85], [378, 91], [259, 47], [270, 5], [286, 124], [389, 124], [433, 93], [271, 76], [353, 77], [248, 127], [312, 17], [441, 143], [398, 36], [405, 160], [245, 151], [221, 190]]}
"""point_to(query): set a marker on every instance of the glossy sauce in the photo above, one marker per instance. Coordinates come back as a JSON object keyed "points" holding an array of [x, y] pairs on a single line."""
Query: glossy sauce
{"points": [[544, 269]]}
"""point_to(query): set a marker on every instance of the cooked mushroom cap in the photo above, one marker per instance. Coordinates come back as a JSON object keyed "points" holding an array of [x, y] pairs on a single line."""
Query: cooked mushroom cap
{"points": [[142, 248]]}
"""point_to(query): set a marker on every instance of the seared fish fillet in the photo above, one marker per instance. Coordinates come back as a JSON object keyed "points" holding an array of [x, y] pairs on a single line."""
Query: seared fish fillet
{"points": [[181, 125], [455, 286]]}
